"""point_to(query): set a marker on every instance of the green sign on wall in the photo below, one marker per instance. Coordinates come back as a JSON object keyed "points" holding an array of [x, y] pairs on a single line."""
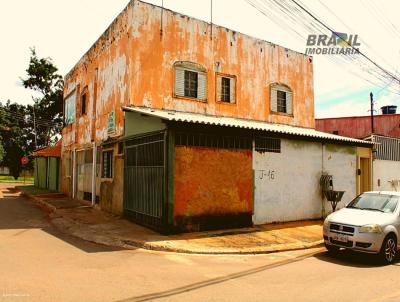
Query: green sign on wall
{"points": [[111, 122]]}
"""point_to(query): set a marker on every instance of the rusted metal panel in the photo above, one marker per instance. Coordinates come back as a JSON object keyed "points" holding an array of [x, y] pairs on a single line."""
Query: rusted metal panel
{"points": [[218, 190], [360, 126]]}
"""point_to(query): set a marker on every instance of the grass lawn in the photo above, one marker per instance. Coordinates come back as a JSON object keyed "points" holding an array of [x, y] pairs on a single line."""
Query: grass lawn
{"points": [[8, 178], [31, 190]]}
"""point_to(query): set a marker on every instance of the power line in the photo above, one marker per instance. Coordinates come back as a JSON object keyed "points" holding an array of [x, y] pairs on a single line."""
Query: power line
{"points": [[360, 52], [292, 14]]}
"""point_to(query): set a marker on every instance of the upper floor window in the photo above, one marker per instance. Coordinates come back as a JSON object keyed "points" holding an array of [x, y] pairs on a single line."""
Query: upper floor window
{"points": [[84, 97], [281, 99], [226, 88], [190, 80], [70, 108]]}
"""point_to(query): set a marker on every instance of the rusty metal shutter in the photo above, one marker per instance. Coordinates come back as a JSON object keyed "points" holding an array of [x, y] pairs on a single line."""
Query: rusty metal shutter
{"points": [[232, 96], [179, 81], [274, 99], [202, 86]]}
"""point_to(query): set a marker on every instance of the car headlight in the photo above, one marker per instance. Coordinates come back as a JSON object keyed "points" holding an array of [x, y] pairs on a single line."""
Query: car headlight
{"points": [[326, 224], [371, 228]]}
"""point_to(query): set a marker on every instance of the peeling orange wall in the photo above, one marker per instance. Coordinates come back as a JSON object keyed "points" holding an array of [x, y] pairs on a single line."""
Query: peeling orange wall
{"points": [[212, 182], [131, 64]]}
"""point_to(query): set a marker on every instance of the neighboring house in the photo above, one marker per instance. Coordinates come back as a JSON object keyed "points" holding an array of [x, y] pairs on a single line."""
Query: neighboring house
{"points": [[47, 167], [4, 170], [360, 126], [182, 125], [386, 138]]}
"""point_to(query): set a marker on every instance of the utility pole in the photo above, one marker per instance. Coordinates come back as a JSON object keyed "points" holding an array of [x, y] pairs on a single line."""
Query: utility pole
{"points": [[34, 124], [371, 97]]}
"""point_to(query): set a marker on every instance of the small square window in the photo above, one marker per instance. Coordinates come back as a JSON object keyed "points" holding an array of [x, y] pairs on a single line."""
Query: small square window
{"points": [[191, 83], [107, 161], [281, 101]]}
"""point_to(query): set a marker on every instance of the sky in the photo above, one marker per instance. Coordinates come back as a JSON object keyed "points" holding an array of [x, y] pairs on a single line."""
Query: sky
{"points": [[65, 30]]}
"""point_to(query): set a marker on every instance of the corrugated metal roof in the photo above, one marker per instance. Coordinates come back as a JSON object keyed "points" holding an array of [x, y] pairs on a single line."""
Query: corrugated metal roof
{"points": [[242, 123]]}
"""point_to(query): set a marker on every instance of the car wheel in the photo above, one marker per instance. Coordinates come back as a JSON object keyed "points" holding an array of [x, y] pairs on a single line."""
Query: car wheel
{"points": [[331, 248], [389, 249]]}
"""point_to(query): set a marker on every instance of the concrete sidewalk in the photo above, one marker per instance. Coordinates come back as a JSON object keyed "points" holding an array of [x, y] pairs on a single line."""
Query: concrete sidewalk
{"points": [[90, 224]]}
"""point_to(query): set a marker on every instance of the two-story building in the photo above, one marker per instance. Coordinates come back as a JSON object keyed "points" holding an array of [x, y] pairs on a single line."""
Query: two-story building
{"points": [[183, 125]]}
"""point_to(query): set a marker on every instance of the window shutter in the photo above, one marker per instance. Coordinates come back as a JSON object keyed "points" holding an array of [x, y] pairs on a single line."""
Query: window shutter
{"points": [[202, 86], [289, 102], [274, 101], [233, 90], [219, 88], [179, 82]]}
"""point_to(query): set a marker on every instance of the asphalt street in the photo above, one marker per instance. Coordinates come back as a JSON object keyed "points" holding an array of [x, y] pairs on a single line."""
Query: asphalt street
{"points": [[39, 263]]}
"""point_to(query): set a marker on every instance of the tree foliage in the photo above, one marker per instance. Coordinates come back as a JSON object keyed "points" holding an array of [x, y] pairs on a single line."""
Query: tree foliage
{"points": [[42, 77], [20, 123]]}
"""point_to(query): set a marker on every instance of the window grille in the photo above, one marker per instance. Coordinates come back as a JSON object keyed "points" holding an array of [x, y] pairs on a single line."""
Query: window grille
{"points": [[212, 141], [268, 144], [108, 164]]}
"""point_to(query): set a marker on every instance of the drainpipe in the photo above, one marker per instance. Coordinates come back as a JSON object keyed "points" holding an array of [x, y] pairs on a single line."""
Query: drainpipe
{"points": [[94, 164], [73, 173], [323, 170]]}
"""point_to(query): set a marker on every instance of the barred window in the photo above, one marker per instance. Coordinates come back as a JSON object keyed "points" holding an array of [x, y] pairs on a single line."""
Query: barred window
{"points": [[268, 144], [213, 141], [107, 164]]}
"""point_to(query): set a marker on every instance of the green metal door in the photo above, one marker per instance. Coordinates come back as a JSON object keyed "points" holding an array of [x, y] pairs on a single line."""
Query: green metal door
{"points": [[41, 172], [144, 182], [53, 173]]}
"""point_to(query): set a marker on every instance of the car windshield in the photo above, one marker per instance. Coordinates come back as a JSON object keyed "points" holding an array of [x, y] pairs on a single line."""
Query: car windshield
{"points": [[375, 202]]}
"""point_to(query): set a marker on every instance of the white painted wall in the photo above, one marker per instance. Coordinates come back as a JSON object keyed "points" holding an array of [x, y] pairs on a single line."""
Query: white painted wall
{"points": [[385, 171], [287, 183]]}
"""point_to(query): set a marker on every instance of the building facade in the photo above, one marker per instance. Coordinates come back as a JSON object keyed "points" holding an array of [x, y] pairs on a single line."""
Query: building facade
{"points": [[177, 123]]}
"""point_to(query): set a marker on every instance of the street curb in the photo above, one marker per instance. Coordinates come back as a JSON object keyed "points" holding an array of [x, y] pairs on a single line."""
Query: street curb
{"points": [[134, 244], [48, 207], [148, 246]]}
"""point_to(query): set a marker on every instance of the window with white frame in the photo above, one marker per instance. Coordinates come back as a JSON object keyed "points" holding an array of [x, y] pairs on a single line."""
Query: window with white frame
{"points": [[281, 99], [226, 88], [190, 80], [107, 164]]}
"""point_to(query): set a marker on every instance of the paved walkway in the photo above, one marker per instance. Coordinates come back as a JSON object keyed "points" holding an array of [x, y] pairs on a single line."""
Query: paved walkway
{"points": [[82, 221]]}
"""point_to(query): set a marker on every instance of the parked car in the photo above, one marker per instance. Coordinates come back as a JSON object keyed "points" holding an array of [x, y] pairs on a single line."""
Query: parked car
{"points": [[370, 223]]}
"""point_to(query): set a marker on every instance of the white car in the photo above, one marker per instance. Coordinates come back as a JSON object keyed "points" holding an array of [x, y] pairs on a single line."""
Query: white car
{"points": [[370, 223]]}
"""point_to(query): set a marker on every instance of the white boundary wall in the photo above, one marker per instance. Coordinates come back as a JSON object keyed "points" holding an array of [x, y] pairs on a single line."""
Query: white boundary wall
{"points": [[287, 183]]}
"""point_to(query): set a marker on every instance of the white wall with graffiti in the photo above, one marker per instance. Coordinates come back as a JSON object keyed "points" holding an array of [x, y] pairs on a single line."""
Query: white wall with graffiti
{"points": [[286, 183]]}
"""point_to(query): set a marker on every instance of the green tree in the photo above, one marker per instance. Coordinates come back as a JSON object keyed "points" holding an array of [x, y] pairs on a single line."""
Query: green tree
{"points": [[43, 78], [16, 135], [25, 128]]}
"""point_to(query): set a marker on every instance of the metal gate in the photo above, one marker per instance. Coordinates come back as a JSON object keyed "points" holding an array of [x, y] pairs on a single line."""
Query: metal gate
{"points": [[144, 183]]}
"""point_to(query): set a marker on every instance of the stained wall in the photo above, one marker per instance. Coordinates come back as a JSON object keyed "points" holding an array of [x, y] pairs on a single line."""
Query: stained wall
{"points": [[212, 188]]}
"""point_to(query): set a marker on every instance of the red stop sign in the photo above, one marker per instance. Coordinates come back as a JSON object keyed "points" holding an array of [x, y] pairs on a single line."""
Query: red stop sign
{"points": [[24, 160]]}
